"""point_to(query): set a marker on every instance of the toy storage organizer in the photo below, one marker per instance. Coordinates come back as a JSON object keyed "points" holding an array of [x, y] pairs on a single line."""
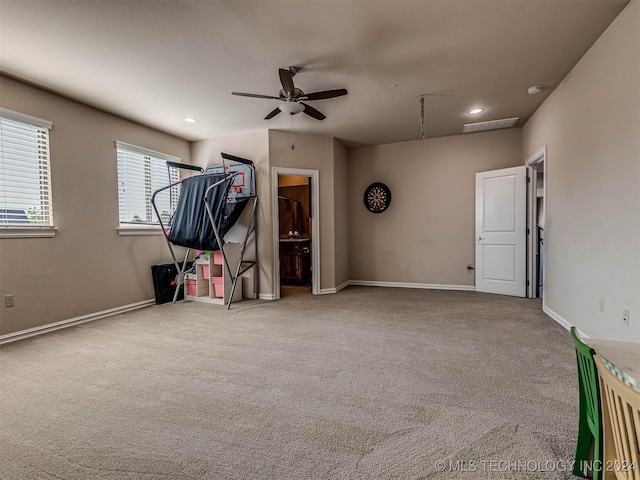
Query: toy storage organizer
{"points": [[211, 282]]}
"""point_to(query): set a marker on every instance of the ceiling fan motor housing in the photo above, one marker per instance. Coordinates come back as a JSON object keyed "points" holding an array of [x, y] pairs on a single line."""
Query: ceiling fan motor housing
{"points": [[297, 94]]}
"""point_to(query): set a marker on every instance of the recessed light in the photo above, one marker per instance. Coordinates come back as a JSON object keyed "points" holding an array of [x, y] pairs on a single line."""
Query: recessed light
{"points": [[475, 111], [535, 89], [393, 85], [190, 120]]}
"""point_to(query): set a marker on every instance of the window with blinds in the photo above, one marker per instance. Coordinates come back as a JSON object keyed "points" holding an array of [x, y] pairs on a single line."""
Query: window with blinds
{"points": [[140, 173], [25, 181]]}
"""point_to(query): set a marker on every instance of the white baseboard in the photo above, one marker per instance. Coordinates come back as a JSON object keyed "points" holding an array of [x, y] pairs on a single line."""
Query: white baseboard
{"points": [[12, 337], [371, 283], [326, 291], [561, 321], [267, 296]]}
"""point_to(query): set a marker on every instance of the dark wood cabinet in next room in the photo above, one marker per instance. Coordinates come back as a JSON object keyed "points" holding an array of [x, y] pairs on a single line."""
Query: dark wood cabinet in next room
{"points": [[295, 261]]}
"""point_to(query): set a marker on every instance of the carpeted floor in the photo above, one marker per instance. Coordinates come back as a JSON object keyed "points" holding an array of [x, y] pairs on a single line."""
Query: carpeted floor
{"points": [[368, 383]]}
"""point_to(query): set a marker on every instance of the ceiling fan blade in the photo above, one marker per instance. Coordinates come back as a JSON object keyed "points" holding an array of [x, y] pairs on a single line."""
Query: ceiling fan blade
{"points": [[272, 114], [312, 112], [255, 95], [287, 82], [325, 94]]}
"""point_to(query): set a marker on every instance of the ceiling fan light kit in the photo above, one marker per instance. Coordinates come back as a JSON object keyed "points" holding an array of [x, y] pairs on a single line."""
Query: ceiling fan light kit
{"points": [[291, 97], [291, 107]]}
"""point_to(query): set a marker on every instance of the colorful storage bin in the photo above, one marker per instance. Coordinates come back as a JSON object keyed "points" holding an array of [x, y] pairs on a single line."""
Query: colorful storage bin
{"points": [[218, 287], [190, 287]]}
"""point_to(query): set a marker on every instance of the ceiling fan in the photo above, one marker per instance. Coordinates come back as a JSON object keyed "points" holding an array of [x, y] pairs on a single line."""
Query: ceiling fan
{"points": [[292, 97]]}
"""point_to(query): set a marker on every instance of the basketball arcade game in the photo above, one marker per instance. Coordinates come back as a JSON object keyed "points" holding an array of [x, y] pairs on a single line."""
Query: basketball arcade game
{"points": [[208, 206]]}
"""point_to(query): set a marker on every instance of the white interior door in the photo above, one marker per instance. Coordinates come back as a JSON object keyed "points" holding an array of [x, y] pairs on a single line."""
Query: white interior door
{"points": [[501, 231]]}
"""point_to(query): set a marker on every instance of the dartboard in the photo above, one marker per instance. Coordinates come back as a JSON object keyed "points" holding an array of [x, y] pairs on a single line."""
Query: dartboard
{"points": [[377, 197]]}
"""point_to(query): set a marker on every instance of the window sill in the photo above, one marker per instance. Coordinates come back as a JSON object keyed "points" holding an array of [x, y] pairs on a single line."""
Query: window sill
{"points": [[35, 231], [142, 230]]}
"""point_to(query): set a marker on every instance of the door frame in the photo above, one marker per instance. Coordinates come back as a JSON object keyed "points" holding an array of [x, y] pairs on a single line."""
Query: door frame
{"points": [[314, 180], [540, 156]]}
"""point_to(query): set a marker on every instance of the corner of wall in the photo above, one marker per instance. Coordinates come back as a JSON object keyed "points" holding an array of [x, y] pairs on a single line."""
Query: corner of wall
{"points": [[590, 125]]}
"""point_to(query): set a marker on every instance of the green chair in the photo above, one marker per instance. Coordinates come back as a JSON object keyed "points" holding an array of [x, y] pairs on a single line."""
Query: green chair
{"points": [[590, 424]]}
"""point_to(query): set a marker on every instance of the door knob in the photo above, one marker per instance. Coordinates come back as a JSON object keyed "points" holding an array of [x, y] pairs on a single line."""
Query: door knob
{"points": [[480, 238]]}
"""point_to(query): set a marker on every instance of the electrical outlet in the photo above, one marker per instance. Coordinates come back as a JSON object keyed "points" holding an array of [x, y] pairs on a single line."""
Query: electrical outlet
{"points": [[625, 316], [9, 300], [602, 305]]}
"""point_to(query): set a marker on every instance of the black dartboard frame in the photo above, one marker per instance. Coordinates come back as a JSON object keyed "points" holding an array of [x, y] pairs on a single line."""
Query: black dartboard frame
{"points": [[377, 197]]}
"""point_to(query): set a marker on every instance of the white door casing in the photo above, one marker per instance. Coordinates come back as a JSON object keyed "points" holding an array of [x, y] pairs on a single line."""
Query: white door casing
{"points": [[501, 231], [314, 179], [533, 162]]}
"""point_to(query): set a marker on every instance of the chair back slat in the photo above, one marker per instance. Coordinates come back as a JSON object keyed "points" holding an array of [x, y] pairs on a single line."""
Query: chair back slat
{"points": [[636, 421], [621, 418]]}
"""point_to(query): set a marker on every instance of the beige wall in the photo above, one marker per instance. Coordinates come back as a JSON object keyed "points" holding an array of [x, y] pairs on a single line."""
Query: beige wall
{"points": [[591, 126], [312, 152], [272, 148], [341, 216], [86, 267], [253, 146], [427, 234]]}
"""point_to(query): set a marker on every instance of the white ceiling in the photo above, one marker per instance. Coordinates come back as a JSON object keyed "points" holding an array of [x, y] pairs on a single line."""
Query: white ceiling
{"points": [[157, 62]]}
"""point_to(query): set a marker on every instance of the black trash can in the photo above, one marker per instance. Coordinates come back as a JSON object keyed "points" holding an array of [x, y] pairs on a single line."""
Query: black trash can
{"points": [[164, 283]]}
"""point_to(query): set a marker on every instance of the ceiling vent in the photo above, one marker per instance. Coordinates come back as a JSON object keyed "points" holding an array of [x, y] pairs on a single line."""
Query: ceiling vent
{"points": [[490, 125]]}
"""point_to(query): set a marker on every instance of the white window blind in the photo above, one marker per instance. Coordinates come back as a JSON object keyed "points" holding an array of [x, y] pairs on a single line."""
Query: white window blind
{"points": [[25, 182], [140, 173]]}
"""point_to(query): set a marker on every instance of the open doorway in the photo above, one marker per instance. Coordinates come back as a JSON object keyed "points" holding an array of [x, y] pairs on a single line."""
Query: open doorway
{"points": [[536, 223], [295, 208], [294, 213]]}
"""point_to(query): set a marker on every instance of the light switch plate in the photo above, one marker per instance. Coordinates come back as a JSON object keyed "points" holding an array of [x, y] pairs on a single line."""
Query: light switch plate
{"points": [[9, 300]]}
